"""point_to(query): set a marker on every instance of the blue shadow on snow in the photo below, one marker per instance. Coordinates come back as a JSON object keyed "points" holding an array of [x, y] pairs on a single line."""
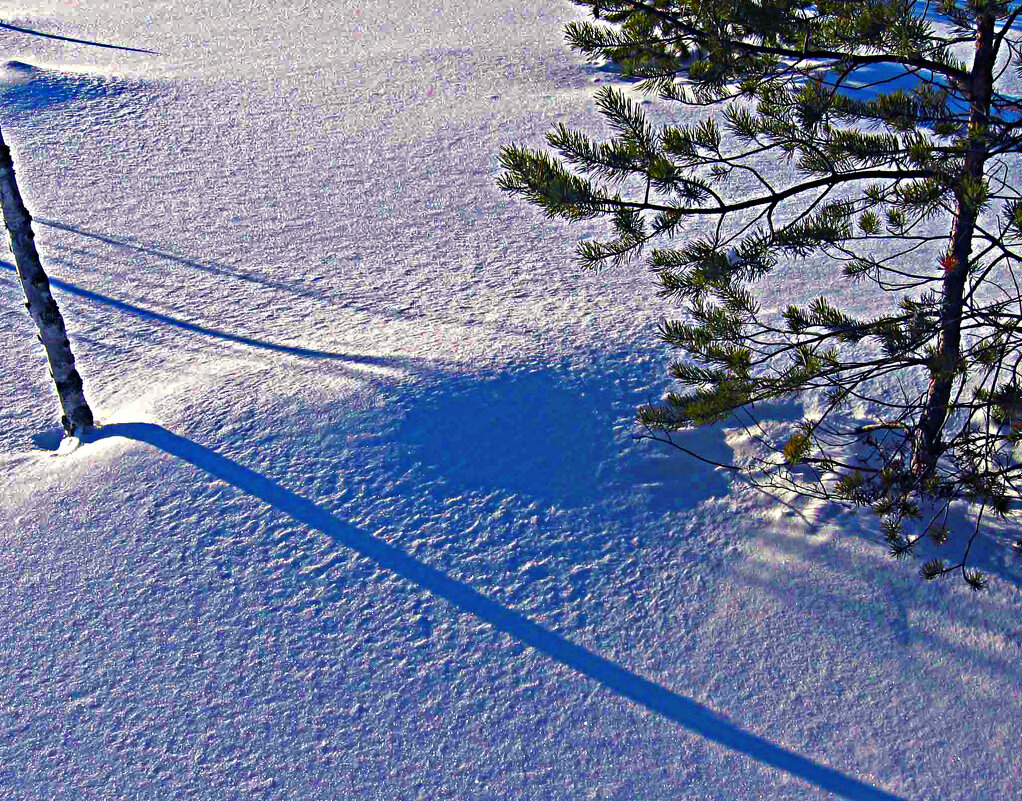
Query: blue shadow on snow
{"points": [[88, 42], [380, 361], [211, 267], [547, 434], [25, 88], [656, 698]]}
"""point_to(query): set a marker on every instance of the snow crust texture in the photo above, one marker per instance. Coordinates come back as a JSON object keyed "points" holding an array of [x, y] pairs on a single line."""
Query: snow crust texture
{"points": [[313, 330]]}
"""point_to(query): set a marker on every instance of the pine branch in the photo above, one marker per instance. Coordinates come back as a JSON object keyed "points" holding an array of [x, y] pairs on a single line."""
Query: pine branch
{"points": [[878, 169], [949, 71]]}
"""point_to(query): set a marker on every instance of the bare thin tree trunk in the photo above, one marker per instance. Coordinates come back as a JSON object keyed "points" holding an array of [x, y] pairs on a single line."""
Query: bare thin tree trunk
{"points": [[40, 303], [927, 444]]}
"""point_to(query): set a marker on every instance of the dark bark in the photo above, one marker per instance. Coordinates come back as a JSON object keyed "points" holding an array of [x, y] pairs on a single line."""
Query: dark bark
{"points": [[40, 303], [927, 445]]}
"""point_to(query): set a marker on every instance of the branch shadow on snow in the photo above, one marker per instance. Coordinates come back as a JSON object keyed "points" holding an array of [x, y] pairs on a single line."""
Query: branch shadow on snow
{"points": [[351, 358], [205, 266], [694, 716]]}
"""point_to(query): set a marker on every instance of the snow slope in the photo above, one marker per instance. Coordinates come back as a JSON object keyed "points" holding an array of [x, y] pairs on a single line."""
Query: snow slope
{"points": [[365, 518]]}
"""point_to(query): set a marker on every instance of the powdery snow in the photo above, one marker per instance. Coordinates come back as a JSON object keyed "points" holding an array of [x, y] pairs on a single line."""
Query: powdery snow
{"points": [[366, 518]]}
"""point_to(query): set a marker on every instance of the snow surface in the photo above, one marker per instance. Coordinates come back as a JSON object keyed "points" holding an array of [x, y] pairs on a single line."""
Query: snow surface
{"points": [[366, 518]]}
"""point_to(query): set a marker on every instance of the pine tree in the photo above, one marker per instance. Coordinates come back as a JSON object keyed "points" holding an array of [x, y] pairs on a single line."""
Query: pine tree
{"points": [[845, 130]]}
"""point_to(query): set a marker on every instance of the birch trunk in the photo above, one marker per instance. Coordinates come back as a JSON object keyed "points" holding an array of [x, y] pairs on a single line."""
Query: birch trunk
{"points": [[40, 303], [927, 445]]}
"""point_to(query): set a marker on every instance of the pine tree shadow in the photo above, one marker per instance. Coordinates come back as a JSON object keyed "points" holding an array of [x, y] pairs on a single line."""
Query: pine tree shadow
{"points": [[888, 595], [816, 538], [991, 550], [554, 435]]}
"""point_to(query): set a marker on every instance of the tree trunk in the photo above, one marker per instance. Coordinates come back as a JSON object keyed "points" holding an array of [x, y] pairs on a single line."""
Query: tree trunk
{"points": [[40, 303], [926, 440]]}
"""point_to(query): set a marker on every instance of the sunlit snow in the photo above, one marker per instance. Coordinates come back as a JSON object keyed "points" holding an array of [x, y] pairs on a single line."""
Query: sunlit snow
{"points": [[366, 517]]}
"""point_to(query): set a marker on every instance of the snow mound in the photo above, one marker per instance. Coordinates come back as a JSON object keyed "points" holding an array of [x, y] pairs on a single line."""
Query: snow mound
{"points": [[26, 87], [18, 71]]}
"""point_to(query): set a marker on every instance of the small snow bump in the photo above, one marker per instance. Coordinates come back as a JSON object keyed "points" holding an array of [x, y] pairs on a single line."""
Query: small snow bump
{"points": [[18, 72], [534, 570]]}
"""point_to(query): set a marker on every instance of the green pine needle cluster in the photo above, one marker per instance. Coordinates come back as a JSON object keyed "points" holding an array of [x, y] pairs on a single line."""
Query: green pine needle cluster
{"points": [[846, 131]]}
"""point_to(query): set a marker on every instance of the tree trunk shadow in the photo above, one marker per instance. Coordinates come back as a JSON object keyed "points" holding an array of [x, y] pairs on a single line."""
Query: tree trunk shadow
{"points": [[692, 715]]}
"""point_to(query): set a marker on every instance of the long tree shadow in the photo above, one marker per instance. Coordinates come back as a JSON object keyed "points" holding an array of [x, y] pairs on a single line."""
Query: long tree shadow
{"points": [[315, 295], [694, 716], [351, 358], [89, 42], [205, 266]]}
